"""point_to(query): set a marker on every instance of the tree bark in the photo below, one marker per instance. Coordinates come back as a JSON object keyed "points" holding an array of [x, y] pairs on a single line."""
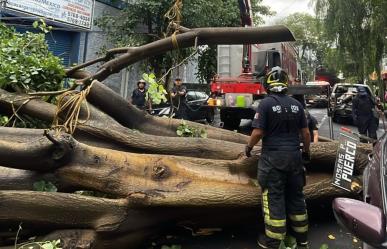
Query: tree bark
{"points": [[155, 190], [128, 115], [172, 180]]}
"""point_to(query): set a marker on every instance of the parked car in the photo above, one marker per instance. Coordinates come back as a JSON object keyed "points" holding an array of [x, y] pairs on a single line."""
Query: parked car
{"points": [[197, 107], [341, 101], [367, 219], [318, 101]]}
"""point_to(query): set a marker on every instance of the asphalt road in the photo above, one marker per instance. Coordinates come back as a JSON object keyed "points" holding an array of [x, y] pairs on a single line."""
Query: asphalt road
{"points": [[323, 227], [322, 118]]}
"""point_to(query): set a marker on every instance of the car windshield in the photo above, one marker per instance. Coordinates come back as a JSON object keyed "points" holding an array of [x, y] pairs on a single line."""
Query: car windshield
{"points": [[193, 95], [345, 89], [348, 89]]}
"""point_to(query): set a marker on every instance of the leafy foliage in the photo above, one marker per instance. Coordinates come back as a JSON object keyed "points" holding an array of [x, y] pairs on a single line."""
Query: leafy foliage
{"points": [[55, 244], [143, 22], [3, 120], [41, 24], [207, 64], [184, 130], [312, 44], [156, 91], [357, 30], [44, 186], [26, 62]]}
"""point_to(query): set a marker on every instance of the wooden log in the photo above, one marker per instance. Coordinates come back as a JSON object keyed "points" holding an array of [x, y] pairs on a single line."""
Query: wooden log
{"points": [[128, 115], [163, 180], [104, 128], [16, 179]]}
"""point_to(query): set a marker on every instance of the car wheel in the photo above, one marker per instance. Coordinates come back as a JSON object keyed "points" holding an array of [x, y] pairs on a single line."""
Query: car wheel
{"points": [[232, 124], [230, 120]]}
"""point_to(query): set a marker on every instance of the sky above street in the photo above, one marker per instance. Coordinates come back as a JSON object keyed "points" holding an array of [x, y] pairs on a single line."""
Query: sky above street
{"points": [[284, 8]]}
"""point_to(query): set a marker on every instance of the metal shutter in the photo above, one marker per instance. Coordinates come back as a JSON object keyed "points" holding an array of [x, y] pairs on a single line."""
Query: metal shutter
{"points": [[60, 43]]}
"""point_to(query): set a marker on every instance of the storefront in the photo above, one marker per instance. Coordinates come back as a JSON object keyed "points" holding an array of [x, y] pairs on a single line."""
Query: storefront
{"points": [[69, 19]]}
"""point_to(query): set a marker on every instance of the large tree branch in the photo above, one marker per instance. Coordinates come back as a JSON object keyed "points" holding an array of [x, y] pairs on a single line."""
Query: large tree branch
{"points": [[129, 139], [39, 155], [108, 55], [166, 180], [62, 210], [128, 115], [199, 36]]}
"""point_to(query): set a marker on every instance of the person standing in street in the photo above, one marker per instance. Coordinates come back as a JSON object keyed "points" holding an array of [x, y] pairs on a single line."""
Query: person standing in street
{"points": [[178, 95], [279, 121], [310, 119], [312, 126], [138, 95], [365, 114]]}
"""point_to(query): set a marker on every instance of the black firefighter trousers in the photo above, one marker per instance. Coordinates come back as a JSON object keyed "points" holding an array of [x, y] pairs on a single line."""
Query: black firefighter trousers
{"points": [[282, 178], [367, 126]]}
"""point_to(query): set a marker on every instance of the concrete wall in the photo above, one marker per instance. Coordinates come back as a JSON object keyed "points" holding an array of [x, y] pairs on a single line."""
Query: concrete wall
{"points": [[92, 43]]}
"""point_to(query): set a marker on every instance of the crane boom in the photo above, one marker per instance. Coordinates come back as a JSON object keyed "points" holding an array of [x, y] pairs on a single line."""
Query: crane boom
{"points": [[246, 21]]}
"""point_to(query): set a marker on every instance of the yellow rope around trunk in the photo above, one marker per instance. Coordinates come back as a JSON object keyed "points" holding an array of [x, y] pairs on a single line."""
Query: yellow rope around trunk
{"points": [[70, 103], [174, 16], [174, 13]]}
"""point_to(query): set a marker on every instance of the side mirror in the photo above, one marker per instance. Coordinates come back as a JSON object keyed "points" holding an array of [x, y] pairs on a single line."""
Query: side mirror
{"points": [[363, 220]]}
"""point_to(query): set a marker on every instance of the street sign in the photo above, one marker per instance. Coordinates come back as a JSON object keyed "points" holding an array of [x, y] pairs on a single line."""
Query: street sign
{"points": [[345, 161], [77, 13]]}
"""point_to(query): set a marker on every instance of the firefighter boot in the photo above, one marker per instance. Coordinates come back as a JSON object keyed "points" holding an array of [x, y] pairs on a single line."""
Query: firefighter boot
{"points": [[265, 242]]}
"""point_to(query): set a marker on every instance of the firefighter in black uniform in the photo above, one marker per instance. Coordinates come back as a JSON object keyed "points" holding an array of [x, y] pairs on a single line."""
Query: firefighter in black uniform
{"points": [[364, 113], [278, 122]]}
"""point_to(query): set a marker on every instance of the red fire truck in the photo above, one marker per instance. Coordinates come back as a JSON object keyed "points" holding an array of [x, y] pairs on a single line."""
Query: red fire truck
{"points": [[238, 96]]}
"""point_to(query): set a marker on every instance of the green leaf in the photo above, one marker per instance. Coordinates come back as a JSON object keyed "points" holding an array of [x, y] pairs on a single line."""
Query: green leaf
{"points": [[39, 186], [48, 246], [324, 246], [35, 24], [203, 133], [44, 186], [50, 187], [179, 133]]}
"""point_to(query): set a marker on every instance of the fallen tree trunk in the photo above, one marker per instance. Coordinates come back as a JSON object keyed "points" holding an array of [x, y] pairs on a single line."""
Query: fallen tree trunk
{"points": [[104, 128], [118, 108], [146, 177], [155, 189], [171, 180]]}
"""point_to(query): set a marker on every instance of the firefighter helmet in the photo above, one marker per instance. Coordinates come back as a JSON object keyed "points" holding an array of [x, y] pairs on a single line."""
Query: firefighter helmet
{"points": [[276, 80]]}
